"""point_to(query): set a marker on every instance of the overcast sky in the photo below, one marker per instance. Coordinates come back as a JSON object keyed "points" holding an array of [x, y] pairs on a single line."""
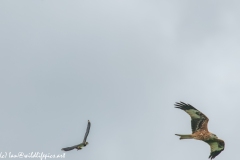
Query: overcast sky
{"points": [[122, 65]]}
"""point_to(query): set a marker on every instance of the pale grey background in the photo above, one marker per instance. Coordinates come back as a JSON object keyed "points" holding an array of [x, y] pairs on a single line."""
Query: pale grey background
{"points": [[122, 65]]}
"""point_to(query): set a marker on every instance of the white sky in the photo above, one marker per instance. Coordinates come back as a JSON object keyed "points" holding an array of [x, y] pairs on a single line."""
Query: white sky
{"points": [[122, 65]]}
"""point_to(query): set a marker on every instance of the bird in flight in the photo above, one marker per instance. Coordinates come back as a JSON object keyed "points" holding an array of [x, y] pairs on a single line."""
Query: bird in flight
{"points": [[200, 130], [83, 144]]}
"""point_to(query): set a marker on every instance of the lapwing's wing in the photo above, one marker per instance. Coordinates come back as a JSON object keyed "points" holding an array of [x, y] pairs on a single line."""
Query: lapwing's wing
{"points": [[87, 131]]}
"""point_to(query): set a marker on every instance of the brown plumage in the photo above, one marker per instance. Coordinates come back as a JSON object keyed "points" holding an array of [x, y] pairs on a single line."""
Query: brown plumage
{"points": [[200, 130]]}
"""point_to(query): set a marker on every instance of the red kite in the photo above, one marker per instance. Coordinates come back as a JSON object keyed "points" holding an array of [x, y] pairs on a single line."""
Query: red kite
{"points": [[200, 130]]}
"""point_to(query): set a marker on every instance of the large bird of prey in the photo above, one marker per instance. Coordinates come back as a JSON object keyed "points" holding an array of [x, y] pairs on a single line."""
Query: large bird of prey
{"points": [[83, 144], [200, 130]]}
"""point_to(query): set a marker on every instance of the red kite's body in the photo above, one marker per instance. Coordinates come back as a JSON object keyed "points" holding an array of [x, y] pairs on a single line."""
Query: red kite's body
{"points": [[200, 130]]}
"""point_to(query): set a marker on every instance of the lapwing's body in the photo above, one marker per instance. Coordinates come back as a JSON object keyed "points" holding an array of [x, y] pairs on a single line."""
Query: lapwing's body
{"points": [[81, 145]]}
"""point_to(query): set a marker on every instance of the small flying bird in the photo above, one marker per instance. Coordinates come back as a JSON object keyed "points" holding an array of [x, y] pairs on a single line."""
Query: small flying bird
{"points": [[83, 144], [200, 130]]}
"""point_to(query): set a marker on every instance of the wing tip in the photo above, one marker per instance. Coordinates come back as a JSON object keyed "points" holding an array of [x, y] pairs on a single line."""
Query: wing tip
{"points": [[183, 106], [211, 157], [214, 154], [178, 105]]}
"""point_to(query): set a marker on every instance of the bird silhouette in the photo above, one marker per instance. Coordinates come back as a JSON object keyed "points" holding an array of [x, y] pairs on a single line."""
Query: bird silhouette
{"points": [[83, 144]]}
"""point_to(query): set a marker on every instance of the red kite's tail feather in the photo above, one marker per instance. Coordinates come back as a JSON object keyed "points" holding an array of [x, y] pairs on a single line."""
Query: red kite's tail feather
{"points": [[185, 136]]}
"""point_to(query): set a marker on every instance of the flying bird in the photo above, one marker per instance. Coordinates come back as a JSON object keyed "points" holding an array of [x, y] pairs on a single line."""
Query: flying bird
{"points": [[200, 130], [83, 144]]}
